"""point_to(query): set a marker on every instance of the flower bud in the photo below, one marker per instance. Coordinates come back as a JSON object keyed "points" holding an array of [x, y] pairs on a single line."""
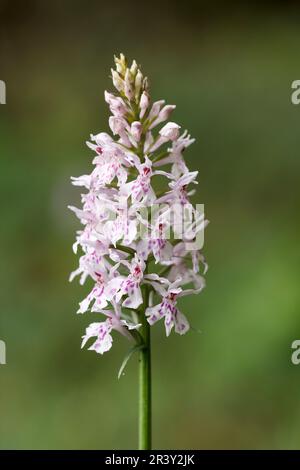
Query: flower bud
{"points": [[155, 109], [101, 139], [128, 85], [145, 84], [136, 130], [170, 131], [116, 104], [109, 97], [144, 103], [134, 68], [164, 114], [138, 83], [117, 125], [121, 64], [117, 81]]}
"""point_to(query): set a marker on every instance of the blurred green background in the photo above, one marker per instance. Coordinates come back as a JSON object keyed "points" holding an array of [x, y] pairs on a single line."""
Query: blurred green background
{"points": [[229, 70]]}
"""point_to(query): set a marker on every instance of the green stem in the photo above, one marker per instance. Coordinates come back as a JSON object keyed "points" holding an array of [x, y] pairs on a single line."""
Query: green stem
{"points": [[145, 382], [160, 156], [126, 249]]}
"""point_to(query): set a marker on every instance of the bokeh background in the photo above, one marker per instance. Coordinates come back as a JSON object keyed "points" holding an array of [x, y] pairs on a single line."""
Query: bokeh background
{"points": [[229, 70]]}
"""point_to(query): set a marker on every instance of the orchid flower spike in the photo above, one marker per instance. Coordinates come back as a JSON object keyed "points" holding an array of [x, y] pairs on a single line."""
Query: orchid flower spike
{"points": [[138, 270]]}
